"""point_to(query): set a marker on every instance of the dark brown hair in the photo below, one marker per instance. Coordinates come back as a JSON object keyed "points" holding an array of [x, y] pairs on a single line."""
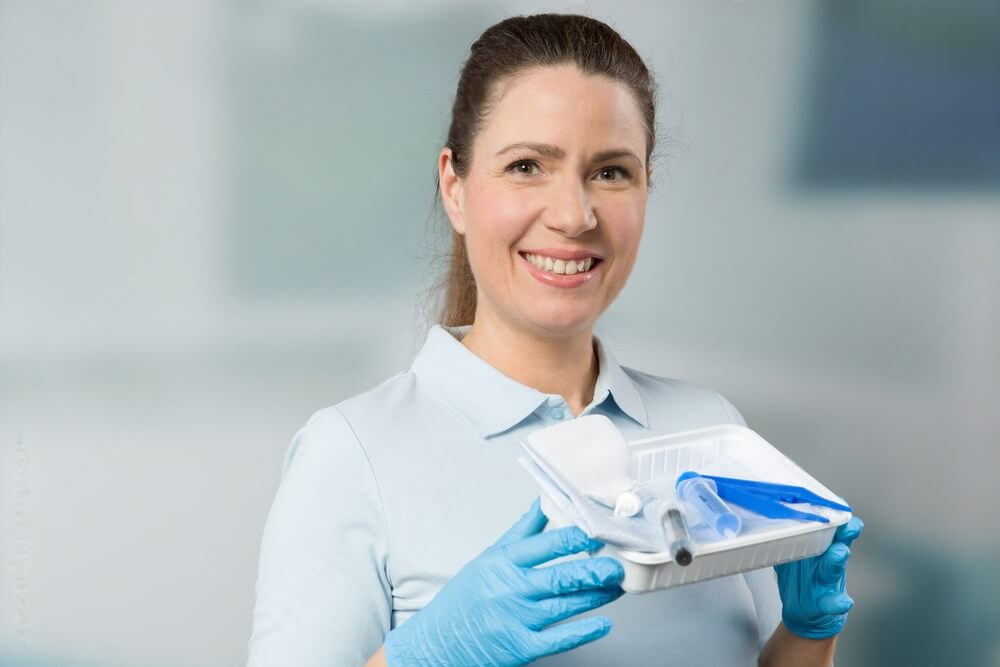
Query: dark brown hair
{"points": [[504, 50]]}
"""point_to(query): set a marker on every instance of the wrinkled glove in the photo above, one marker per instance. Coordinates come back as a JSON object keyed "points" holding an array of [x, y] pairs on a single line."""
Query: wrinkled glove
{"points": [[496, 610], [813, 590]]}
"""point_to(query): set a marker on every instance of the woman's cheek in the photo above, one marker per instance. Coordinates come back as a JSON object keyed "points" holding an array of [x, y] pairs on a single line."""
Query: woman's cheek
{"points": [[500, 215], [513, 213], [632, 219]]}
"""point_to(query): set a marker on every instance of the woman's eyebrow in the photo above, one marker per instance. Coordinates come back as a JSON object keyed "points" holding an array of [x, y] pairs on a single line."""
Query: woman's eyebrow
{"points": [[548, 150], [554, 152], [615, 153]]}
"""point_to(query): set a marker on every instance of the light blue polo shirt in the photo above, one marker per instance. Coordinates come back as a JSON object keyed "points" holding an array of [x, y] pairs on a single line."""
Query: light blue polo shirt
{"points": [[386, 495]]}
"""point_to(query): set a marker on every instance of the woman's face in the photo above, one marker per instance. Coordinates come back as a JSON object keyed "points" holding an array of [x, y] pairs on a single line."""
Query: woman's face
{"points": [[553, 204]]}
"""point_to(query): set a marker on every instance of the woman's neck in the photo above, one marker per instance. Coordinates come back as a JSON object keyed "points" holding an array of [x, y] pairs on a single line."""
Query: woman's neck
{"points": [[564, 366]]}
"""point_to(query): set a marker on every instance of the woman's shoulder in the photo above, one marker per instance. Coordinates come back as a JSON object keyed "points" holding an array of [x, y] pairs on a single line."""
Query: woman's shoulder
{"points": [[334, 426], [676, 395], [651, 382], [379, 399]]}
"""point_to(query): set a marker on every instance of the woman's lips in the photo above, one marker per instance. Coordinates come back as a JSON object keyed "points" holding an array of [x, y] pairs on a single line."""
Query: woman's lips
{"points": [[563, 280]]}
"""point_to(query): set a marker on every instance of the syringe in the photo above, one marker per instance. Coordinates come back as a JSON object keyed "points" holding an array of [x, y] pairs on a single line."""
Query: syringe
{"points": [[700, 493]]}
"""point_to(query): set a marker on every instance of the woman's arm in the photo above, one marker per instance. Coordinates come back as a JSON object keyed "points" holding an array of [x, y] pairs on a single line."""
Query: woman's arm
{"points": [[785, 648], [322, 594], [378, 660]]}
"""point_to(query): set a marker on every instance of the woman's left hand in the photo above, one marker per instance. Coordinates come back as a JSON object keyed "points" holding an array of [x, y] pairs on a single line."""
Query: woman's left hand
{"points": [[813, 590]]}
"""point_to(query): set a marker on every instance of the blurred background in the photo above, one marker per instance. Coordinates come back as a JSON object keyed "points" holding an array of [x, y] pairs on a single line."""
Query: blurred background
{"points": [[217, 218]]}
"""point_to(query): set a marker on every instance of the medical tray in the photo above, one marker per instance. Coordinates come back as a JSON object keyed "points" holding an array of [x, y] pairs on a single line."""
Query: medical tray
{"points": [[762, 543]]}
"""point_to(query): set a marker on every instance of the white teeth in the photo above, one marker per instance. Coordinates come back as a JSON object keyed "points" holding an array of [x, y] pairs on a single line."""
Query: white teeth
{"points": [[560, 266]]}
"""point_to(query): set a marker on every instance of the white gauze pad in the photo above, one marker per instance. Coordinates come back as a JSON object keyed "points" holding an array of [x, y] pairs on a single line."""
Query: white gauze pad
{"points": [[590, 453]]}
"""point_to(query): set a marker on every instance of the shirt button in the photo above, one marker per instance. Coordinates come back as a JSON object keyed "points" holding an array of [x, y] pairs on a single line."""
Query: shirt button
{"points": [[556, 413]]}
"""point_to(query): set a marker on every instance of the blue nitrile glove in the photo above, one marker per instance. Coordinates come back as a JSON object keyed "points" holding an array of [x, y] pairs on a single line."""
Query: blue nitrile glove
{"points": [[813, 596], [496, 609]]}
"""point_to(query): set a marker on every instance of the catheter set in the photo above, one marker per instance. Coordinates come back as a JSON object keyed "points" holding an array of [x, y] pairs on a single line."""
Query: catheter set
{"points": [[684, 507]]}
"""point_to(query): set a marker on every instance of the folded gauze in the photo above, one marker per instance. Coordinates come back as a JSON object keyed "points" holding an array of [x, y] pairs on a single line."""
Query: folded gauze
{"points": [[583, 466]]}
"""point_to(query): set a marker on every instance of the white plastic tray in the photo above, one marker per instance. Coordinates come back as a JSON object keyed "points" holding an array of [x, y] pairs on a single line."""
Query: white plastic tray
{"points": [[735, 451]]}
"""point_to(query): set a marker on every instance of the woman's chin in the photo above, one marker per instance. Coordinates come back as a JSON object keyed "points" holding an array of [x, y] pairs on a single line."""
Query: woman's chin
{"points": [[564, 324]]}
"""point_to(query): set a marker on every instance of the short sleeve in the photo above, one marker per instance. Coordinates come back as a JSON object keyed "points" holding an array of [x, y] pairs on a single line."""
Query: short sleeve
{"points": [[323, 595], [763, 583]]}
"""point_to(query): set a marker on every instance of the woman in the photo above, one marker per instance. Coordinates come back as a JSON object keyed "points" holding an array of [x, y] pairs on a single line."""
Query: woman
{"points": [[382, 540]]}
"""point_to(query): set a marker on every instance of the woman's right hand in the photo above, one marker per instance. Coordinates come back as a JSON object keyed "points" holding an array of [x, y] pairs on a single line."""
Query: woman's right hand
{"points": [[496, 610]]}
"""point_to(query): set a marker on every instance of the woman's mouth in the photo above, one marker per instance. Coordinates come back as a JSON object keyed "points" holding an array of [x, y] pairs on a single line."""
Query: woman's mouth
{"points": [[562, 271]]}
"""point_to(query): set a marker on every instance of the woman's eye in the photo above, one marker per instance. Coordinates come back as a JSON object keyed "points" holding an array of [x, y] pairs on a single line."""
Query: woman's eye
{"points": [[622, 173], [523, 167]]}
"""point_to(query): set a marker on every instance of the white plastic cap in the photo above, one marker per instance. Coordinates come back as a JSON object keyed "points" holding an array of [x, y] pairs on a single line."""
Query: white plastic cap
{"points": [[628, 504]]}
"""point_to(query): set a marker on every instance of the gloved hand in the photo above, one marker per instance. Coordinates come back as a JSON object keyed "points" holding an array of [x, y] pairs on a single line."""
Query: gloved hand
{"points": [[496, 609], [813, 596]]}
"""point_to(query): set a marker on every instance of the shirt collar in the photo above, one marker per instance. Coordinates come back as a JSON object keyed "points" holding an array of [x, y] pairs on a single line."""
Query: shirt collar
{"points": [[612, 376], [492, 402]]}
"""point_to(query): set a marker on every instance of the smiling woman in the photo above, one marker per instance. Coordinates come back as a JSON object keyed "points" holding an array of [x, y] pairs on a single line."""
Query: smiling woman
{"points": [[554, 175], [391, 535]]}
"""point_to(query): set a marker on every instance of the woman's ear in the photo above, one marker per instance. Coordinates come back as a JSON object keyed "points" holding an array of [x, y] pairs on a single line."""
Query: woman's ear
{"points": [[451, 190]]}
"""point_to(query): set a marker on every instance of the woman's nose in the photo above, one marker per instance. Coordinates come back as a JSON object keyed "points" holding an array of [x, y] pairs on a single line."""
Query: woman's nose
{"points": [[570, 210]]}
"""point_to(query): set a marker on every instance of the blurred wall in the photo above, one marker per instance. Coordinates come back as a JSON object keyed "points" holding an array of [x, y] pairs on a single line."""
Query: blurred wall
{"points": [[216, 218]]}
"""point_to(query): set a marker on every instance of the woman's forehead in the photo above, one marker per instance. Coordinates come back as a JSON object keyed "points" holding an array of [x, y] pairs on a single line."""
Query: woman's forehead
{"points": [[564, 107]]}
